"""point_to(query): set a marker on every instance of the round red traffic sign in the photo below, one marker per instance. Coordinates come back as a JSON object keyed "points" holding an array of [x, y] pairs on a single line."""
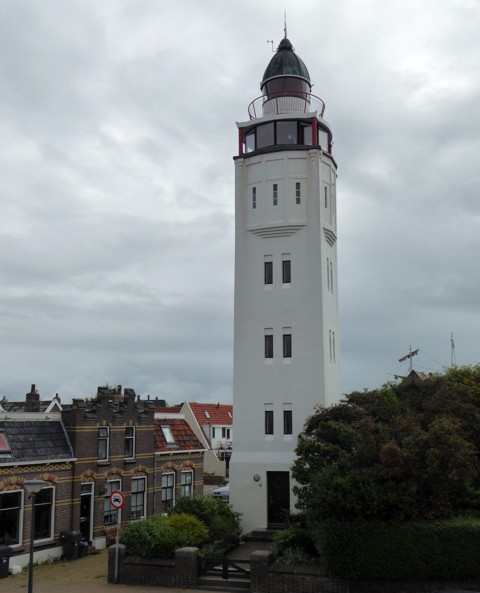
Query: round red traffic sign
{"points": [[117, 500]]}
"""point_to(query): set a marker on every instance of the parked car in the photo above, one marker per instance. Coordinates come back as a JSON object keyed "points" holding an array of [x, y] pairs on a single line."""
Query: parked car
{"points": [[222, 492]]}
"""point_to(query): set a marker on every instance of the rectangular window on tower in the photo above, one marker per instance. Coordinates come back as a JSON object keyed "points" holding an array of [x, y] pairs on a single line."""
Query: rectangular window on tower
{"points": [[287, 345], [268, 421], [268, 346], [268, 272], [287, 422], [275, 194], [298, 194], [286, 271], [325, 196], [254, 197]]}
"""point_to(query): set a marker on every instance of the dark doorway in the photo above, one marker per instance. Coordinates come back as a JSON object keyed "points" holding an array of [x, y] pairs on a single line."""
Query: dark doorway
{"points": [[278, 496], [86, 500]]}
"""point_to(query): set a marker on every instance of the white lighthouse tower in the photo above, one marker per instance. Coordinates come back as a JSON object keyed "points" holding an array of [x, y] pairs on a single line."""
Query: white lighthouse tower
{"points": [[286, 338]]}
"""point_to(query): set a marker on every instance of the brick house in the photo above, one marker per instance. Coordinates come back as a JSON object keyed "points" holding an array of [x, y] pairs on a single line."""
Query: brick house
{"points": [[84, 451], [34, 445], [178, 457], [112, 436]]}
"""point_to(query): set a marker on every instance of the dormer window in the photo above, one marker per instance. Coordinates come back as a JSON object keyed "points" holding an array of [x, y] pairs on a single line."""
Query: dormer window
{"points": [[167, 433]]}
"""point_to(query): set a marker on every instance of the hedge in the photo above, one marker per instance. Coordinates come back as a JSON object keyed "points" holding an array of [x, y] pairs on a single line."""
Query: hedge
{"points": [[443, 549]]}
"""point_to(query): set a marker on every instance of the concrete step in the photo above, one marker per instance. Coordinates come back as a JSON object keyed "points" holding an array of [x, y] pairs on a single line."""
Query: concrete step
{"points": [[212, 583], [259, 535]]}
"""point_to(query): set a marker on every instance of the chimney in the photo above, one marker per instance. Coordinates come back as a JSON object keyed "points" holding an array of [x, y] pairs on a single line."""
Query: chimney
{"points": [[32, 400]]}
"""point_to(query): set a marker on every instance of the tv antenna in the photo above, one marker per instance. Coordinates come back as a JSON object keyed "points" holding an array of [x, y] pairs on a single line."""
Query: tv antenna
{"points": [[453, 361], [271, 41], [409, 356]]}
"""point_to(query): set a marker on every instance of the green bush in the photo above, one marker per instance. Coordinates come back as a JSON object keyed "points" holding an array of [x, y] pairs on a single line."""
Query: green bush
{"points": [[159, 537], [293, 545], [222, 522], [448, 549], [189, 530], [150, 538]]}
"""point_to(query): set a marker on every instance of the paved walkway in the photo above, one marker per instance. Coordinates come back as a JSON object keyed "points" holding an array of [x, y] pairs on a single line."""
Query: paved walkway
{"points": [[86, 575]]}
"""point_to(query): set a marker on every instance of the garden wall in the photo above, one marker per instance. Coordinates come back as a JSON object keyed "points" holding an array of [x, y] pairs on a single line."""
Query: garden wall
{"points": [[181, 571]]}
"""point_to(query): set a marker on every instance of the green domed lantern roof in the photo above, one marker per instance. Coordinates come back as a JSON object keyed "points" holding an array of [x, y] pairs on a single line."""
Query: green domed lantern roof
{"points": [[285, 72]]}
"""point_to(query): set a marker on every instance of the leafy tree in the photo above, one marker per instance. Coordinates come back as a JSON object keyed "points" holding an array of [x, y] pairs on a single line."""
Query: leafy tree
{"points": [[406, 451]]}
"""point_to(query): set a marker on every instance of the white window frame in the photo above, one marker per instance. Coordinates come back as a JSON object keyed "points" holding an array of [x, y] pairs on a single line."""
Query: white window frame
{"points": [[186, 488], [101, 438], [137, 493], [111, 485], [167, 488], [20, 513], [131, 438], [52, 514]]}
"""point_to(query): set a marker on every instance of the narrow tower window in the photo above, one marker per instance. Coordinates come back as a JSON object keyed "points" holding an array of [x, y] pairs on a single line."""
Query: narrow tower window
{"points": [[268, 272], [286, 271], [287, 422], [326, 196], [254, 197], [287, 345], [331, 277], [275, 194], [268, 421], [328, 275], [298, 195], [268, 346]]}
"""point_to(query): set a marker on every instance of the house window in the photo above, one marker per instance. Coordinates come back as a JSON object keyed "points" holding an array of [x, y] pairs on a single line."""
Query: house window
{"points": [[286, 271], [168, 491], [254, 197], [43, 528], [268, 346], [186, 483], [129, 442], [138, 502], [268, 421], [287, 345], [102, 443], [275, 194], [268, 272], [225, 433], [110, 514], [10, 513], [287, 422], [298, 194]]}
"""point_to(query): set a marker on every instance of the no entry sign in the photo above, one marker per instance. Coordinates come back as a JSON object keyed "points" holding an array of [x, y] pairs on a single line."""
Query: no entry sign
{"points": [[117, 500]]}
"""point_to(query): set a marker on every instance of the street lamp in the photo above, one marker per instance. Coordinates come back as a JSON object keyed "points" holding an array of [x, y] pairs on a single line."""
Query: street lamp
{"points": [[32, 487]]}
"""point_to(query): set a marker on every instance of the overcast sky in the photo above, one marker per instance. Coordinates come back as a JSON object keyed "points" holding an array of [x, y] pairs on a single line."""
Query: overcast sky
{"points": [[117, 132]]}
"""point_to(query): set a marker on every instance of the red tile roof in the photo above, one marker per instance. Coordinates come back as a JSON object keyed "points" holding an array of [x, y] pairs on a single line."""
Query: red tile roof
{"points": [[185, 439], [216, 414]]}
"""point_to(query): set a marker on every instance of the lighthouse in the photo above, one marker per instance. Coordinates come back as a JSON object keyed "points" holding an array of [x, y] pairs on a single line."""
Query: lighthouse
{"points": [[286, 337]]}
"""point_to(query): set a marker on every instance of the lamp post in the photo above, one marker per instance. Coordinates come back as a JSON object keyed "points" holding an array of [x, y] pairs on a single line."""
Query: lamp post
{"points": [[32, 487]]}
